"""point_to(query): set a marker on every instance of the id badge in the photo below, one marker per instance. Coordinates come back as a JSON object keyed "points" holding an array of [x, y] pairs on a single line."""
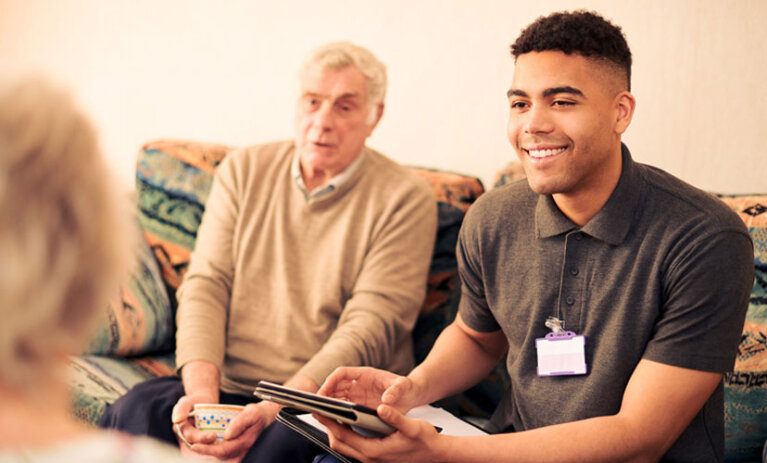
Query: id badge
{"points": [[561, 354]]}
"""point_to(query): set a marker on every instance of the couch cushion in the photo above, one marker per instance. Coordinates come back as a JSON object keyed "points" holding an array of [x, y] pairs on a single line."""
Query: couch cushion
{"points": [[173, 179], [745, 393], [139, 319], [96, 381], [454, 193]]}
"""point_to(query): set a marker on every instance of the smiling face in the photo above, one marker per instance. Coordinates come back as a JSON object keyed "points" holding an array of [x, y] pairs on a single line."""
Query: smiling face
{"points": [[567, 114], [332, 120]]}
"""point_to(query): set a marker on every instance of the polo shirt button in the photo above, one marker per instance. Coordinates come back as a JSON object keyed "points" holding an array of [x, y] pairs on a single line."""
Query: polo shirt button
{"points": [[578, 237], [573, 271], [570, 300]]}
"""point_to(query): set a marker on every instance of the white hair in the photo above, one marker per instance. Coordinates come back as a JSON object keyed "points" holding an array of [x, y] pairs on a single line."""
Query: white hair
{"points": [[63, 245], [339, 55]]}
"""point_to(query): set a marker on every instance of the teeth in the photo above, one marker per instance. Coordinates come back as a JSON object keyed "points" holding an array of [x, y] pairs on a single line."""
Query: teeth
{"points": [[545, 153]]}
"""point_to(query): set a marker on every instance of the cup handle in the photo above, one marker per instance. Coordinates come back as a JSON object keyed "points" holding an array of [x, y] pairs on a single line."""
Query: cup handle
{"points": [[177, 428]]}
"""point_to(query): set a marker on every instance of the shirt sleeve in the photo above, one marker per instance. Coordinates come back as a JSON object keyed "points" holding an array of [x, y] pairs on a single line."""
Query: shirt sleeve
{"points": [[473, 306], [204, 295], [706, 291], [388, 293]]}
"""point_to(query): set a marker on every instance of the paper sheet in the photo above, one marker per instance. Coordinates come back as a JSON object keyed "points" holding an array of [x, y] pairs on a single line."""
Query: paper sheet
{"points": [[450, 424]]}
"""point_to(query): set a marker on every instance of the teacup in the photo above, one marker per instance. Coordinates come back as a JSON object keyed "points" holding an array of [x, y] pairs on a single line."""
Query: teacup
{"points": [[214, 417]]}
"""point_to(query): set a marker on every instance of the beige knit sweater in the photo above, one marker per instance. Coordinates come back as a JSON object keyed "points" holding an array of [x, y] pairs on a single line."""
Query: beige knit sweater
{"points": [[279, 284]]}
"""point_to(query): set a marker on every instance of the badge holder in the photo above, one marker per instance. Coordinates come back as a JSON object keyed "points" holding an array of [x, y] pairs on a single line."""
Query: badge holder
{"points": [[561, 353]]}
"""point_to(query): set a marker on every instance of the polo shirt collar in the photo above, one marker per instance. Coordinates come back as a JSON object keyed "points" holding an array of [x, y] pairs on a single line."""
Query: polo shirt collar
{"points": [[612, 223], [332, 184]]}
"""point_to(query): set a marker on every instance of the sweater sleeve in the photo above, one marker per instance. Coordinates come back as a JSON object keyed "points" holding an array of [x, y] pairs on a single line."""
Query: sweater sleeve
{"points": [[389, 291], [204, 295]]}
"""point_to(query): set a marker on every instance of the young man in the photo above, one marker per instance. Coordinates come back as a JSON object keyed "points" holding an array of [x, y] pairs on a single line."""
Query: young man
{"points": [[312, 253], [640, 278]]}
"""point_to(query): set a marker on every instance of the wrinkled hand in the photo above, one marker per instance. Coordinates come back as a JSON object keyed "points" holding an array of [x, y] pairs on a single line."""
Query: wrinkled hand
{"points": [[238, 438], [414, 440], [183, 424], [371, 387]]}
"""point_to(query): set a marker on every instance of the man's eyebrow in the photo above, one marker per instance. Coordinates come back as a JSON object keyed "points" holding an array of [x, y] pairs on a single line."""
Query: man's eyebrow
{"points": [[349, 95], [343, 96], [563, 89], [515, 92], [546, 93]]}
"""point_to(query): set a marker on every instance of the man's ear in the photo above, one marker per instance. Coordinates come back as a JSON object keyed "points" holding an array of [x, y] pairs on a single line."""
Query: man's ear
{"points": [[624, 105], [375, 115]]}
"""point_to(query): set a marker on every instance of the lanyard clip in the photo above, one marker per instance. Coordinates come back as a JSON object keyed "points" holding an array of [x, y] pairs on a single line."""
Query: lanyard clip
{"points": [[555, 325]]}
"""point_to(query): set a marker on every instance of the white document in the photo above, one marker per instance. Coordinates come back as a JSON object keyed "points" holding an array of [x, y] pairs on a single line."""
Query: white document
{"points": [[450, 424]]}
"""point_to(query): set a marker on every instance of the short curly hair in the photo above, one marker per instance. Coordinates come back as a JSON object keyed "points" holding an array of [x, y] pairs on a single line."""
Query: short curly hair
{"points": [[583, 32]]}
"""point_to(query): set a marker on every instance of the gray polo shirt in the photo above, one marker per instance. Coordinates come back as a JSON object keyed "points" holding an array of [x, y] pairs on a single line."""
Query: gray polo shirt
{"points": [[662, 272]]}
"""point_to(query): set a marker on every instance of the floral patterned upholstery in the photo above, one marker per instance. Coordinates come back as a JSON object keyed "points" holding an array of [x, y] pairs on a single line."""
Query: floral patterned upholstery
{"points": [[745, 388]]}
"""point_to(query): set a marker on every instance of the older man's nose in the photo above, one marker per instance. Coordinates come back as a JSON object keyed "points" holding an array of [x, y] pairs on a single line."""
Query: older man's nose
{"points": [[324, 118]]}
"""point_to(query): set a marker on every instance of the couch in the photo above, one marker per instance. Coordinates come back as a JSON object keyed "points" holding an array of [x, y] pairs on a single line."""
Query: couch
{"points": [[135, 339]]}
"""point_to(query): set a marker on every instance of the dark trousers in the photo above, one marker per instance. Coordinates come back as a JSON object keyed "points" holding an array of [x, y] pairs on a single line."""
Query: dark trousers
{"points": [[146, 409]]}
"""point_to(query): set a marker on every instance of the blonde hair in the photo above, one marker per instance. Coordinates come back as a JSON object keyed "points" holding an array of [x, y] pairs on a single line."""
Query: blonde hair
{"points": [[63, 243], [338, 55]]}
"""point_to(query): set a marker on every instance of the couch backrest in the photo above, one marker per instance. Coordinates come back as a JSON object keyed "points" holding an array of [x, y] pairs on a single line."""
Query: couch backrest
{"points": [[745, 388], [173, 179]]}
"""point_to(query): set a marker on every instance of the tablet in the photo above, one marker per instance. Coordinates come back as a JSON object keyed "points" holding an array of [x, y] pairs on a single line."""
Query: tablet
{"points": [[362, 419]]}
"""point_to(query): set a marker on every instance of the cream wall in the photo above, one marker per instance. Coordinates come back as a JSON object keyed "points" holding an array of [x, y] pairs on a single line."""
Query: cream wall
{"points": [[225, 72]]}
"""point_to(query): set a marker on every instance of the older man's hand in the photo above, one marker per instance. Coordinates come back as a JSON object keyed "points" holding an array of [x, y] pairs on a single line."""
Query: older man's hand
{"points": [[238, 438]]}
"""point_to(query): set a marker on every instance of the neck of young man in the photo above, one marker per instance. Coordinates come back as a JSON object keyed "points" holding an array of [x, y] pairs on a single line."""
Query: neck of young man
{"points": [[582, 204]]}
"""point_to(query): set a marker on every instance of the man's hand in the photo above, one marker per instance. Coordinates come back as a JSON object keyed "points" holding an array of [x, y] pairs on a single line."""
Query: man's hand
{"points": [[372, 387], [239, 436], [414, 440], [183, 423], [200, 379]]}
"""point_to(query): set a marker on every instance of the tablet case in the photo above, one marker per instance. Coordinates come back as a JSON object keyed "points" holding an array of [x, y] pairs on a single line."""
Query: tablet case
{"points": [[362, 419], [289, 417]]}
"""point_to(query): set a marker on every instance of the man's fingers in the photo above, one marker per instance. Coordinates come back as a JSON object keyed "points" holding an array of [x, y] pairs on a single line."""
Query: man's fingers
{"points": [[396, 419], [190, 435], [394, 393], [235, 448], [180, 435], [195, 436], [343, 448], [338, 383], [181, 410], [344, 440], [249, 416], [331, 382]]}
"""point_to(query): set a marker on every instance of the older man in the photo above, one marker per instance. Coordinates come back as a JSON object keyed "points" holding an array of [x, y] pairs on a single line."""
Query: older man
{"points": [[312, 254]]}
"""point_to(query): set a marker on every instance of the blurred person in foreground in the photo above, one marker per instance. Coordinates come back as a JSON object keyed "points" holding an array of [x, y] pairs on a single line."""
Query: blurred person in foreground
{"points": [[615, 291], [63, 250], [312, 253]]}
